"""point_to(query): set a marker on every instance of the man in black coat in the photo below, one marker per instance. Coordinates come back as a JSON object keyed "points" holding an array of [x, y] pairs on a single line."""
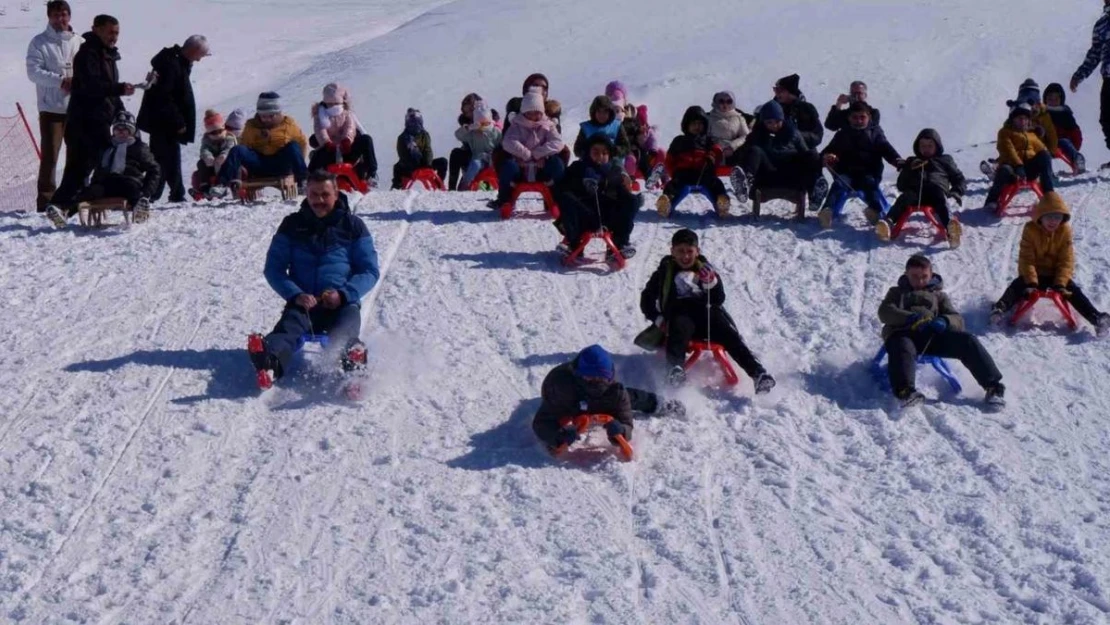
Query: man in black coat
{"points": [[169, 112], [804, 115], [94, 102]]}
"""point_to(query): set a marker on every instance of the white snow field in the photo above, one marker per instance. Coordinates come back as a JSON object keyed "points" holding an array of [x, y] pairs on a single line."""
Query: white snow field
{"points": [[143, 479]]}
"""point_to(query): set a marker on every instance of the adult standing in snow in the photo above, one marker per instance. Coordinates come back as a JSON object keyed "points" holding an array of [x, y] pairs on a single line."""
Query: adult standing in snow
{"points": [[837, 119], [50, 66], [322, 262], [1099, 53], [94, 103], [804, 115], [169, 112], [588, 385]]}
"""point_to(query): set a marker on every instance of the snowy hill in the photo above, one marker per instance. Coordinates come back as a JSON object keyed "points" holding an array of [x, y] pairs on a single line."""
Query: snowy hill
{"points": [[144, 480]]}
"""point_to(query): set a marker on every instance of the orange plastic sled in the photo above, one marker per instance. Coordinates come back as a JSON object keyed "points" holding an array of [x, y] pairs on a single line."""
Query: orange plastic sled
{"points": [[584, 422]]}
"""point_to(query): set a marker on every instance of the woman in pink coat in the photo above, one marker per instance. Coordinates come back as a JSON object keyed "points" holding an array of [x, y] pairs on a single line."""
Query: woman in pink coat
{"points": [[336, 130], [532, 145]]}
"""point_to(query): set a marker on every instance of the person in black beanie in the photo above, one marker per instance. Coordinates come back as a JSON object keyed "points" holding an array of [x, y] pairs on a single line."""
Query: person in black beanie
{"points": [[804, 115]]}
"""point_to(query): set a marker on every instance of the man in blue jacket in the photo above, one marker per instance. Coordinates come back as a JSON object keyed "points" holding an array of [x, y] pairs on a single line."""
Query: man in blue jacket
{"points": [[322, 262]]}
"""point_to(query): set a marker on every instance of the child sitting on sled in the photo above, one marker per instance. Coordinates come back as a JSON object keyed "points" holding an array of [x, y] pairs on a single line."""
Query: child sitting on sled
{"points": [[480, 138], [676, 300], [928, 178], [1046, 260], [588, 385], [214, 148], [692, 161], [919, 319]]}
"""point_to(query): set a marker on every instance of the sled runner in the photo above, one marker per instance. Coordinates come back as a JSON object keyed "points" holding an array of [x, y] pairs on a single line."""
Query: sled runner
{"points": [[92, 213]]}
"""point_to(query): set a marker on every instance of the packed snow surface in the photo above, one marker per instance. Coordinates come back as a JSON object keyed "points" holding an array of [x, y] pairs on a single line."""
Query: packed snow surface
{"points": [[144, 479]]}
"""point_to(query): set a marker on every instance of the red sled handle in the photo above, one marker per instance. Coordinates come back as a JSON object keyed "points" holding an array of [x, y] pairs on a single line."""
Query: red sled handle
{"points": [[584, 422]]}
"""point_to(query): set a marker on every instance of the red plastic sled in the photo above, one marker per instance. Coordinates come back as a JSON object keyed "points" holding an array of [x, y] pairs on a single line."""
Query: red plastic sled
{"points": [[584, 422], [521, 188], [1058, 299], [1010, 191], [697, 347], [1059, 154], [603, 234], [488, 176], [927, 211], [425, 176], [347, 178]]}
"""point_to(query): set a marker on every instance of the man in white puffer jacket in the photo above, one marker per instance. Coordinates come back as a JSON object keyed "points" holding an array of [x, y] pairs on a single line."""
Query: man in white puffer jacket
{"points": [[50, 67]]}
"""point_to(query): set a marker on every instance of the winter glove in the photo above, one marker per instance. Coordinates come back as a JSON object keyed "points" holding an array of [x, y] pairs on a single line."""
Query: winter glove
{"points": [[1062, 289], [329, 147], [345, 146], [918, 321], [591, 185], [900, 164], [567, 435], [958, 199], [938, 325], [1019, 171], [615, 428], [707, 277]]}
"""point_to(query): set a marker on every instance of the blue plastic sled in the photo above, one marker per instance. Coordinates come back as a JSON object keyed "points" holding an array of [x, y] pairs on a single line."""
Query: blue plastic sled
{"points": [[838, 206], [879, 369], [321, 339], [690, 189]]}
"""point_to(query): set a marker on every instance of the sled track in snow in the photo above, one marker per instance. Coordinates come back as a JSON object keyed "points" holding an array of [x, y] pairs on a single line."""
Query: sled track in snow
{"points": [[148, 408]]}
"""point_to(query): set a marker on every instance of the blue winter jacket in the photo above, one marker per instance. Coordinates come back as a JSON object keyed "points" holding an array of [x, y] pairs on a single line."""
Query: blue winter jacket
{"points": [[311, 255], [1100, 49]]}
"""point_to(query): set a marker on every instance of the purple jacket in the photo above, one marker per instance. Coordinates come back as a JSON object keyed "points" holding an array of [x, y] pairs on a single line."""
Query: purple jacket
{"points": [[531, 141]]}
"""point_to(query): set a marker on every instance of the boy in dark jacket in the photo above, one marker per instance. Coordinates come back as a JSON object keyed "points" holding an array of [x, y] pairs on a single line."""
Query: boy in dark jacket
{"points": [[692, 161], [587, 385], [1069, 135], [776, 157], [322, 262], [685, 299], [596, 192], [919, 319], [127, 170], [856, 156], [927, 179], [414, 150]]}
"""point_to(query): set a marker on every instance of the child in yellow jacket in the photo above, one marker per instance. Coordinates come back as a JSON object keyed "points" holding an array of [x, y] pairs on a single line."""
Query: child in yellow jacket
{"points": [[1021, 155], [272, 145], [1047, 261]]}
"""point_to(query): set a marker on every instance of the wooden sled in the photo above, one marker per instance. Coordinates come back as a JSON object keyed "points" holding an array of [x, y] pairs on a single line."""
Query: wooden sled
{"points": [[794, 196], [287, 185], [92, 213]]}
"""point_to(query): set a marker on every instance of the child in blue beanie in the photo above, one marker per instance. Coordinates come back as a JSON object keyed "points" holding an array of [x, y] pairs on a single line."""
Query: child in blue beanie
{"points": [[587, 385]]}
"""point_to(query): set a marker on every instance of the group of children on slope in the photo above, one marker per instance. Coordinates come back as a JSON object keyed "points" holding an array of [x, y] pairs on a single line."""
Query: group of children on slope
{"points": [[684, 301]]}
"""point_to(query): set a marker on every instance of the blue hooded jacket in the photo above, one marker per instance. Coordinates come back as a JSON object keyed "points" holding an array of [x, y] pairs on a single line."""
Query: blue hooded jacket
{"points": [[311, 255]]}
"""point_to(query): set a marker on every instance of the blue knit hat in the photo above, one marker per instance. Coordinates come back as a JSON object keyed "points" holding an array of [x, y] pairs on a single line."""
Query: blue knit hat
{"points": [[771, 110], [595, 362]]}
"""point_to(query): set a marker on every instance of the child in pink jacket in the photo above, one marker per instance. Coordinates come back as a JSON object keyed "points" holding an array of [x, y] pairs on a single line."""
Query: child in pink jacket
{"points": [[532, 145], [336, 130]]}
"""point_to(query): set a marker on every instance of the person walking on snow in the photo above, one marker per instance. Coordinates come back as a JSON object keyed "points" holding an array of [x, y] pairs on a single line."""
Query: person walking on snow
{"points": [[588, 385], [50, 66], [169, 112], [322, 262], [1099, 53]]}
